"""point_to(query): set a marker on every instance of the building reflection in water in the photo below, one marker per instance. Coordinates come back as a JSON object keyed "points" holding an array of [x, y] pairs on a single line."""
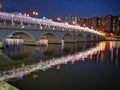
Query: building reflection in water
{"points": [[13, 47], [103, 52]]}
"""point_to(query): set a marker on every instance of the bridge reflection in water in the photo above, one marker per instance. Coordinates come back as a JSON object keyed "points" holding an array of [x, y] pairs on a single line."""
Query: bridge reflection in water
{"points": [[21, 60]]}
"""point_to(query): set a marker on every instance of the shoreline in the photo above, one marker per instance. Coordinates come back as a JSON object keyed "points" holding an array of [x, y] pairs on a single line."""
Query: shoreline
{"points": [[5, 86], [34, 44], [112, 39]]}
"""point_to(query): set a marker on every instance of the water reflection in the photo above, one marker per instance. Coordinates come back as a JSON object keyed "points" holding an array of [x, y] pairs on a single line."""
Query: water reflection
{"points": [[17, 52], [13, 51], [103, 52]]}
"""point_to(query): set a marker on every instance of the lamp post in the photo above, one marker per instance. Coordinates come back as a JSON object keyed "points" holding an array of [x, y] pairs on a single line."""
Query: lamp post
{"points": [[25, 14], [58, 19], [35, 13]]}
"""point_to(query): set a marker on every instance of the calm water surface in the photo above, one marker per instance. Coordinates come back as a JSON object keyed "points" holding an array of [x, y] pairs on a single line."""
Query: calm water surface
{"points": [[85, 65]]}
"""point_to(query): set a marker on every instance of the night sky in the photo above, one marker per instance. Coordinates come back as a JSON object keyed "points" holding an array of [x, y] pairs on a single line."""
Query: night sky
{"points": [[61, 8]]}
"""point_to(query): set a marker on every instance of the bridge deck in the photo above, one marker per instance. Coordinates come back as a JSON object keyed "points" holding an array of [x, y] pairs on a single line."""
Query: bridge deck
{"points": [[6, 86]]}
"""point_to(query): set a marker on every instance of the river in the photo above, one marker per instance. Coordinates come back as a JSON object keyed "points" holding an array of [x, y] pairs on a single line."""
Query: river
{"points": [[85, 65]]}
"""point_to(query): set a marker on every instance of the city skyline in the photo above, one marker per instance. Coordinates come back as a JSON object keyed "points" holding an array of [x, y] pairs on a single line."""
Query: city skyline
{"points": [[55, 8]]}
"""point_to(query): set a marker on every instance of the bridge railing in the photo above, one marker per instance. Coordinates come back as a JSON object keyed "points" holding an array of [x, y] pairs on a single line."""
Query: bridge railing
{"points": [[31, 23], [33, 27]]}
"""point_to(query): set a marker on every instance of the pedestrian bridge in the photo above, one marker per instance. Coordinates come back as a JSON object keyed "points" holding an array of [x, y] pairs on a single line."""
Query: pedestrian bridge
{"points": [[33, 29]]}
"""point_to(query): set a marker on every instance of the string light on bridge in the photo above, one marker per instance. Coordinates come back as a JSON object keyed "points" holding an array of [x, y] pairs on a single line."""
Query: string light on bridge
{"points": [[44, 21]]}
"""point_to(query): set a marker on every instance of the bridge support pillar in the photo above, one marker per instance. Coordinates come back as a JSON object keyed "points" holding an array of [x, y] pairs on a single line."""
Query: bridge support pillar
{"points": [[12, 22], [75, 36], [62, 43], [21, 23], [40, 26]]}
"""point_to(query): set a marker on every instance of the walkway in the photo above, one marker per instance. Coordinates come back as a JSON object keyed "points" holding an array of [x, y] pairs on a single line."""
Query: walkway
{"points": [[6, 86]]}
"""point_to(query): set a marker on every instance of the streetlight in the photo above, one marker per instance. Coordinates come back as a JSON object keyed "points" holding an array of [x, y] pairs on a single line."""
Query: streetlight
{"points": [[84, 25], [35, 13], [25, 14], [58, 19]]}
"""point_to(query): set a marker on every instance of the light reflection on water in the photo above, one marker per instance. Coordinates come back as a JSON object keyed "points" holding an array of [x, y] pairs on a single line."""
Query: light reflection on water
{"points": [[43, 58]]}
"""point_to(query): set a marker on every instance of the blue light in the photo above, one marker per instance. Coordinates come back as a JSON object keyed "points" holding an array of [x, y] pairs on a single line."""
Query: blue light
{"points": [[22, 76], [44, 18], [20, 14], [44, 69]]}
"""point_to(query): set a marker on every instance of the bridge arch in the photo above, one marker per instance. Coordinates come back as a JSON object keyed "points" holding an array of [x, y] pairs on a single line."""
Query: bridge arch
{"points": [[88, 37], [67, 38], [80, 37], [51, 37], [26, 37]]}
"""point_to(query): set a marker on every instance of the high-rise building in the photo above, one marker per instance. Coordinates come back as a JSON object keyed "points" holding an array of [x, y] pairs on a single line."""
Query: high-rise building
{"points": [[108, 24], [116, 25], [71, 19], [83, 21], [94, 23]]}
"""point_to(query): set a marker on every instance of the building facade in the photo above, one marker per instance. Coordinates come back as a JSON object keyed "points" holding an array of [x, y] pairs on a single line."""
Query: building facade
{"points": [[107, 24]]}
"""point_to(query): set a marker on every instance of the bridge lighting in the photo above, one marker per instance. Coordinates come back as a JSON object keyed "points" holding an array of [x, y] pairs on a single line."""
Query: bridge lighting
{"points": [[58, 19], [20, 14], [26, 15], [43, 21], [35, 13], [44, 18]]}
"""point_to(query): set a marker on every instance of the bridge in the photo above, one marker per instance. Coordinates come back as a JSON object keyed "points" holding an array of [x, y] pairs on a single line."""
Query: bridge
{"points": [[33, 29]]}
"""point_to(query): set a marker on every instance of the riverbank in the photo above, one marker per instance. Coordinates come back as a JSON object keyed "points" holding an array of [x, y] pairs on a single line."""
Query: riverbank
{"points": [[6, 86], [112, 39]]}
